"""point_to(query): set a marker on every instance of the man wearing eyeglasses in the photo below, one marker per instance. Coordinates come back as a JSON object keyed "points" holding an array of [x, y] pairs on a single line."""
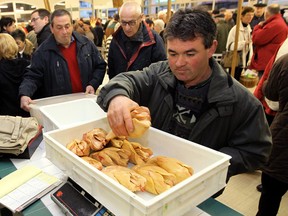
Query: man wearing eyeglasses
{"points": [[66, 62], [134, 45], [40, 24]]}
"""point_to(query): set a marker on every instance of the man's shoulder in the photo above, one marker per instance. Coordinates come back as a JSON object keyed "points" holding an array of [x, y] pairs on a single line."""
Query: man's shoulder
{"points": [[82, 40], [160, 67]]}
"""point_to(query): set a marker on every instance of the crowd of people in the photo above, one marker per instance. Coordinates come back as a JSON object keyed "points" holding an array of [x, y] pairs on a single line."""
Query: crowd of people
{"points": [[165, 64]]}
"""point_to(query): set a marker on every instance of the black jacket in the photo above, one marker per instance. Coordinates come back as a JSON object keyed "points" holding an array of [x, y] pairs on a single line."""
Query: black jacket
{"points": [[100, 35], [43, 34], [147, 49], [49, 70], [11, 76], [276, 89], [234, 124]]}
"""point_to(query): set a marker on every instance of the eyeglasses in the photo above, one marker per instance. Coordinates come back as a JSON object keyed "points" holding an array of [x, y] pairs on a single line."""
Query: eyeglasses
{"points": [[35, 19], [130, 23]]}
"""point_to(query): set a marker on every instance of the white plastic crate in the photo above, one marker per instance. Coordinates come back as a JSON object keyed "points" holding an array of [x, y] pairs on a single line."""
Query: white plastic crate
{"points": [[210, 170], [35, 107], [67, 114]]}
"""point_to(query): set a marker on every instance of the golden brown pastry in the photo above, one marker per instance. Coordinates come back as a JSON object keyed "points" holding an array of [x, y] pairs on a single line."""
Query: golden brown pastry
{"points": [[117, 142], [93, 162], [144, 152], [172, 165], [158, 179], [138, 153], [96, 138], [141, 120], [79, 147], [134, 157], [112, 156], [126, 177]]}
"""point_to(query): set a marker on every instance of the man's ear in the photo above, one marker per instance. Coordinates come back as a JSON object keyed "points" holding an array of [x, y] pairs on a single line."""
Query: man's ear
{"points": [[213, 48], [46, 18]]}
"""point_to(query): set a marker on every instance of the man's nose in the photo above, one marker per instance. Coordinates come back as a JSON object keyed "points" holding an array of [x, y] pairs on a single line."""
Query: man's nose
{"points": [[180, 61]]}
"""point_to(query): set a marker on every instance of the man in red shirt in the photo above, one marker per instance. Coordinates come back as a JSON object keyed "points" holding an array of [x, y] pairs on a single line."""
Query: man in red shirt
{"points": [[65, 63]]}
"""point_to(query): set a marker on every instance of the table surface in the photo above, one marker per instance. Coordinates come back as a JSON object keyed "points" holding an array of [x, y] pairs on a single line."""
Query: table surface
{"points": [[46, 207]]}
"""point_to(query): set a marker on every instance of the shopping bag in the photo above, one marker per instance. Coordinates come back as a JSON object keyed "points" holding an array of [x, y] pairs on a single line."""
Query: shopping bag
{"points": [[16, 133], [227, 57]]}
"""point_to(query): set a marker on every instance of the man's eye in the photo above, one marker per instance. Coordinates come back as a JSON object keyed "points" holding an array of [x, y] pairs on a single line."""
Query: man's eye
{"points": [[172, 54], [190, 54]]}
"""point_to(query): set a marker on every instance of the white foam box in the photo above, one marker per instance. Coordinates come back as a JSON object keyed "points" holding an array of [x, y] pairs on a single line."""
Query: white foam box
{"points": [[67, 114], [38, 103], [210, 170]]}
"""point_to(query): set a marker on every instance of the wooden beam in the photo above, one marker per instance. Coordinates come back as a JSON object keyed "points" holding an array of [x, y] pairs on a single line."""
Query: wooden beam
{"points": [[239, 10], [168, 16], [47, 5]]}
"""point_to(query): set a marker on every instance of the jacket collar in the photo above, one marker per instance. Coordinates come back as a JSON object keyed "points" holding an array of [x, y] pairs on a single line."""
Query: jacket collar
{"points": [[220, 90], [146, 33], [44, 29], [51, 44]]}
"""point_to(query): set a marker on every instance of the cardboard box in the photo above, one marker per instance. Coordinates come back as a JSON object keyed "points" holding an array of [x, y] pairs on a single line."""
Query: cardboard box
{"points": [[210, 170]]}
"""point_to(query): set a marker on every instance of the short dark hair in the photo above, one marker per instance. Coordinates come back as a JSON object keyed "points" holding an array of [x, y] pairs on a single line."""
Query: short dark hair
{"points": [[18, 33], [42, 12], [149, 21], [59, 13], [6, 21], [116, 17], [246, 10], [187, 24]]}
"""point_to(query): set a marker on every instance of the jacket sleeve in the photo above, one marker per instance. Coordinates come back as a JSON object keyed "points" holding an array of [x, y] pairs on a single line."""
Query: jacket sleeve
{"points": [[231, 39], [137, 85], [264, 34], [250, 142], [33, 76], [258, 90], [99, 68], [277, 80]]}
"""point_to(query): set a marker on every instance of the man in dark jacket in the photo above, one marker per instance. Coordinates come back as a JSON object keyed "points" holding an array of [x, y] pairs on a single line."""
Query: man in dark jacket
{"points": [[192, 97], [258, 13], [40, 24], [275, 173], [65, 63], [134, 45]]}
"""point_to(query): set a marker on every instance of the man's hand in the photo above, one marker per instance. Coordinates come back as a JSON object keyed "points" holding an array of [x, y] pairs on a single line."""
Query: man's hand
{"points": [[24, 103], [90, 90], [119, 115], [261, 23]]}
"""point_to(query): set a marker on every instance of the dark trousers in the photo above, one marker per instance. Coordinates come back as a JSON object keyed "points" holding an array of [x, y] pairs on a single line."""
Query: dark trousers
{"points": [[269, 118], [272, 192], [237, 72]]}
